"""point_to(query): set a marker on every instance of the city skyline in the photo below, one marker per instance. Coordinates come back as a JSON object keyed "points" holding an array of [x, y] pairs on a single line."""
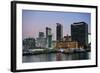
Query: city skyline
{"points": [[34, 22]]}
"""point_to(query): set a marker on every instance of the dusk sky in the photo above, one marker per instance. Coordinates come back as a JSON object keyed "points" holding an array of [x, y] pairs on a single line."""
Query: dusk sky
{"points": [[34, 22]]}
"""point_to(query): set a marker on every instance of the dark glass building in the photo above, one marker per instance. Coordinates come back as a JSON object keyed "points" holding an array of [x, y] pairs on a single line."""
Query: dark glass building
{"points": [[48, 37], [48, 31], [59, 32], [79, 33]]}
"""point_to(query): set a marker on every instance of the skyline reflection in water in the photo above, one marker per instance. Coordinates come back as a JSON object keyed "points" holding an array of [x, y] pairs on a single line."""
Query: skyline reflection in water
{"points": [[56, 57]]}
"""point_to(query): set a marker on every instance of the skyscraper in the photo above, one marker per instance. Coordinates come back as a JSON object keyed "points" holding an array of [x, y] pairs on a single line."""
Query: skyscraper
{"points": [[79, 33], [48, 37], [59, 32], [48, 31]]}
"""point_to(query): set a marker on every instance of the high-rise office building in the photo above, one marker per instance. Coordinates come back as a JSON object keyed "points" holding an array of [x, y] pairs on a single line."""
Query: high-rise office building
{"points": [[79, 33], [48, 37], [41, 40], [48, 31], [59, 32]]}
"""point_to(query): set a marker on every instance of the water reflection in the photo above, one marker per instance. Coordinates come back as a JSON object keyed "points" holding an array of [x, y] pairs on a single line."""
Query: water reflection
{"points": [[56, 57]]}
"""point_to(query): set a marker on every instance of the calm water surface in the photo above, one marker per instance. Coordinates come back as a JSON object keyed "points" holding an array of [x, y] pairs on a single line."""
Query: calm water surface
{"points": [[56, 57]]}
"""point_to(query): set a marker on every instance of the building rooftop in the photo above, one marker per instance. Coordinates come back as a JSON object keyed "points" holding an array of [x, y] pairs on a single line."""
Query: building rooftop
{"points": [[79, 23]]}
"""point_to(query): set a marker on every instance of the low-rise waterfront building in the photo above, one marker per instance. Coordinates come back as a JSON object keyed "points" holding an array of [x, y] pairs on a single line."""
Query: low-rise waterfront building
{"points": [[29, 43], [66, 44]]}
